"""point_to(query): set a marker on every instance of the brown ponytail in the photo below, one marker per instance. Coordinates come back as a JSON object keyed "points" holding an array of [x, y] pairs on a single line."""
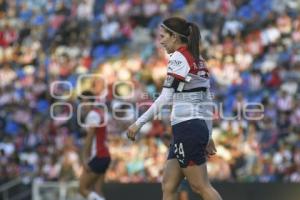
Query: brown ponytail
{"points": [[194, 41]]}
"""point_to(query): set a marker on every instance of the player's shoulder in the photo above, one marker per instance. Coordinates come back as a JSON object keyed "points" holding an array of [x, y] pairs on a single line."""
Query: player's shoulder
{"points": [[177, 55], [93, 117], [177, 59]]}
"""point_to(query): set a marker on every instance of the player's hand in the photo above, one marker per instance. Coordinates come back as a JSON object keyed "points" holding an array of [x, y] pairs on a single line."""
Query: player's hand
{"points": [[211, 148], [132, 131]]}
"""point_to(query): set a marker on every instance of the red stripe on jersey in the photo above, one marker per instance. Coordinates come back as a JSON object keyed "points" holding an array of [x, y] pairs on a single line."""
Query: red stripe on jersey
{"points": [[176, 76], [194, 68], [101, 147]]}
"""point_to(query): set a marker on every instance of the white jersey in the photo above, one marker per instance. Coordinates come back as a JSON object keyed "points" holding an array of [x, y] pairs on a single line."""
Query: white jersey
{"points": [[187, 88], [191, 99], [93, 119]]}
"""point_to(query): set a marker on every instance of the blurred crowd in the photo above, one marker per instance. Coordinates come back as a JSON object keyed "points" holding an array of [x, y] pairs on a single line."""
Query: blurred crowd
{"points": [[49, 50]]}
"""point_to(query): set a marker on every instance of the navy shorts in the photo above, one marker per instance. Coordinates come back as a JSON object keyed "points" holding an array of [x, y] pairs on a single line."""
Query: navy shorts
{"points": [[189, 142], [99, 165]]}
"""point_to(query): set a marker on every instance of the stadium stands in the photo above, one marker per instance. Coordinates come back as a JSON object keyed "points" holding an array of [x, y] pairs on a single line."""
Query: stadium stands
{"points": [[252, 48]]}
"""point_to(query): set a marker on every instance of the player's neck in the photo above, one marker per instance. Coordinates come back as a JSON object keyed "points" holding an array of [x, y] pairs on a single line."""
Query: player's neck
{"points": [[179, 45]]}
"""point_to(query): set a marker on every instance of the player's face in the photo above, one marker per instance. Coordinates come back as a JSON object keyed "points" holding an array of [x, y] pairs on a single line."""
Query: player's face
{"points": [[167, 40]]}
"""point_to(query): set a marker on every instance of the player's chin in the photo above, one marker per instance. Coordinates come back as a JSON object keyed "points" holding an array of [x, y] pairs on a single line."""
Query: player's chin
{"points": [[168, 50]]}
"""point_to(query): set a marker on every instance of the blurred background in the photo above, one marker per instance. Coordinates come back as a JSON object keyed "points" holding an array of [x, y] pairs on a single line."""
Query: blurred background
{"points": [[50, 50]]}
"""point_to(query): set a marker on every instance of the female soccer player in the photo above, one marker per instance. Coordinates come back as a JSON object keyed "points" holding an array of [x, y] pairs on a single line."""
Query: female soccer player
{"points": [[187, 87], [96, 157]]}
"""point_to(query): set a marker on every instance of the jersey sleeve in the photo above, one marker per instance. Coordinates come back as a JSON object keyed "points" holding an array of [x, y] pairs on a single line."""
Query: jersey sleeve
{"points": [[93, 119], [165, 98], [178, 66], [177, 71]]}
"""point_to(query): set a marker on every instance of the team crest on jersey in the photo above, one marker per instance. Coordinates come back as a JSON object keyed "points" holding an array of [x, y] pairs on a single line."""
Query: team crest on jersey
{"points": [[174, 63]]}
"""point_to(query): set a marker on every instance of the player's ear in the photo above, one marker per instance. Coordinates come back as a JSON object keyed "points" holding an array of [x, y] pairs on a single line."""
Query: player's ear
{"points": [[175, 36]]}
